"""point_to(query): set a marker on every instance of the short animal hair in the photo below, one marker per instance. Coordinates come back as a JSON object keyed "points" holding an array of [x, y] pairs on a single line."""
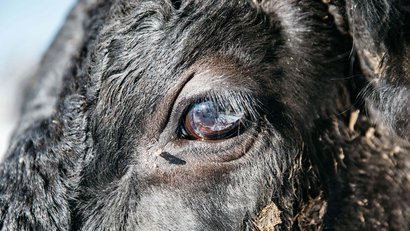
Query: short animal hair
{"points": [[108, 137], [380, 31]]}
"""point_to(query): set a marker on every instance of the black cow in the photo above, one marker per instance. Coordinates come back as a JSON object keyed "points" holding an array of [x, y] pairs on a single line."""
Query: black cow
{"points": [[381, 35], [197, 115]]}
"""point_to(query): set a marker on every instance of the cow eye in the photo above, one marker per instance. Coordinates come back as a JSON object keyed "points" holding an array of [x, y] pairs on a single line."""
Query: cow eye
{"points": [[207, 121]]}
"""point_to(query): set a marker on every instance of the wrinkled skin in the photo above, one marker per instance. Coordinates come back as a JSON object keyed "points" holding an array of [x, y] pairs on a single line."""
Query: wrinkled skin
{"points": [[101, 148]]}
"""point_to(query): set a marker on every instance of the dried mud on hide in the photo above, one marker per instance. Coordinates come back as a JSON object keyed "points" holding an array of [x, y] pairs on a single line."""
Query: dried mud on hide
{"points": [[371, 170]]}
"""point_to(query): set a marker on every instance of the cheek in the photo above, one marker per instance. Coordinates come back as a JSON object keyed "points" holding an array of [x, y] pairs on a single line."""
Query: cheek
{"points": [[220, 203], [214, 198], [159, 208]]}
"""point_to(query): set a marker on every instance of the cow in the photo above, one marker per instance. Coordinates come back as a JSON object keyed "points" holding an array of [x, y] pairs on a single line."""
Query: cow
{"points": [[381, 32], [200, 115]]}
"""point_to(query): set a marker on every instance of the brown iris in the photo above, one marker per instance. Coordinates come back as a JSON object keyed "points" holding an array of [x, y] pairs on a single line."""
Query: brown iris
{"points": [[208, 122]]}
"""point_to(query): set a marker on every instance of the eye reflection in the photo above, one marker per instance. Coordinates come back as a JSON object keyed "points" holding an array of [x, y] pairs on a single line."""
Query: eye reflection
{"points": [[207, 121]]}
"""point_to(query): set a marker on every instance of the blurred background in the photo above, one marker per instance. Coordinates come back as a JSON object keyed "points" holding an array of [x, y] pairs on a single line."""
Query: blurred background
{"points": [[27, 28]]}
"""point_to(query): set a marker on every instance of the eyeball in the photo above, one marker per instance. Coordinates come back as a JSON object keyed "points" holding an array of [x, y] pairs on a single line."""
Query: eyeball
{"points": [[206, 121]]}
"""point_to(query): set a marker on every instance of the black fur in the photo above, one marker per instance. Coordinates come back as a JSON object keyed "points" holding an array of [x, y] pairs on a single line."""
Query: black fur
{"points": [[101, 150], [381, 34]]}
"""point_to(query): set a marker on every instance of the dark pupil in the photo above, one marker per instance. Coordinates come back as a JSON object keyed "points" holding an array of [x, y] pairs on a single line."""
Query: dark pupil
{"points": [[206, 121]]}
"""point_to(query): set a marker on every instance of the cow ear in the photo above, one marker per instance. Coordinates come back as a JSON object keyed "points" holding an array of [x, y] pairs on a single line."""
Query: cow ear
{"points": [[37, 173], [38, 177], [45, 85]]}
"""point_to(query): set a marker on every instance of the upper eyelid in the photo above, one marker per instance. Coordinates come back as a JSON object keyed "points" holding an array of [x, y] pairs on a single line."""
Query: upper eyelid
{"points": [[239, 101]]}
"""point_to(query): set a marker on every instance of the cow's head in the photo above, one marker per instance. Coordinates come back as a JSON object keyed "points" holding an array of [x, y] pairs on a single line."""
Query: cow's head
{"points": [[198, 112], [178, 115]]}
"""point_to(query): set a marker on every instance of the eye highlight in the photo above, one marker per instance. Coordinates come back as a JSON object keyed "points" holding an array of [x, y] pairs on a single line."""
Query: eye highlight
{"points": [[207, 121]]}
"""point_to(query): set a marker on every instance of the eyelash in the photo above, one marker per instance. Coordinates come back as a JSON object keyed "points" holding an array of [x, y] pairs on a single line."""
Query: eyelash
{"points": [[243, 104]]}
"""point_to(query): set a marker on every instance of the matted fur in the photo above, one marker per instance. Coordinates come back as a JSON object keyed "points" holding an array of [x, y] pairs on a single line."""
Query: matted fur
{"points": [[90, 150], [381, 37]]}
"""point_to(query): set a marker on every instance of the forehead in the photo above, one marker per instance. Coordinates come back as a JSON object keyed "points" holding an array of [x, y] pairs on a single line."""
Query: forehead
{"points": [[152, 43], [246, 32], [195, 30]]}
